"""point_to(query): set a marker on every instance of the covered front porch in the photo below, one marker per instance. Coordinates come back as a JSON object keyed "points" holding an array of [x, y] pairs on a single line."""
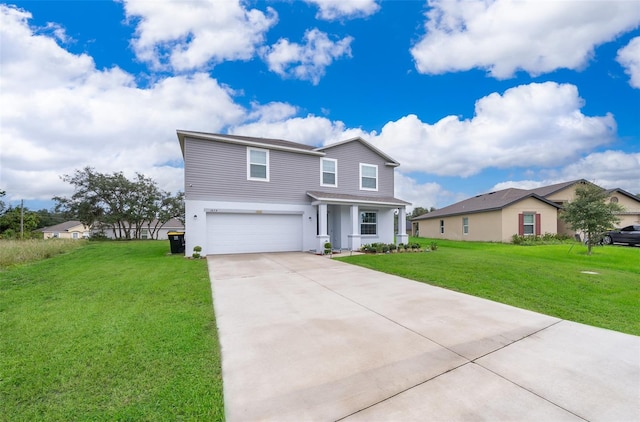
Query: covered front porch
{"points": [[349, 221]]}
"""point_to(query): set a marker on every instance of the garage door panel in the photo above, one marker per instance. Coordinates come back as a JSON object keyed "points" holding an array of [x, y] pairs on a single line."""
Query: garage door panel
{"points": [[247, 233]]}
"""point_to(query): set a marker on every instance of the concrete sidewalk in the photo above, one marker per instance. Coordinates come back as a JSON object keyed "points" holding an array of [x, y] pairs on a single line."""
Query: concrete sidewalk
{"points": [[307, 338]]}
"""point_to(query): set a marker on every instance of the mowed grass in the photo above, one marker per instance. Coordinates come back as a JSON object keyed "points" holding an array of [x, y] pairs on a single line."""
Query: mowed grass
{"points": [[110, 331], [548, 279]]}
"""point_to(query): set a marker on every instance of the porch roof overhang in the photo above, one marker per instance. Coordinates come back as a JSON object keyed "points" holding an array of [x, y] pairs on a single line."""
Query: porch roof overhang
{"points": [[346, 199]]}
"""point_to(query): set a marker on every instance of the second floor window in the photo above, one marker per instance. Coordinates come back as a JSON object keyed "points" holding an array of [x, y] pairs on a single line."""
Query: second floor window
{"points": [[258, 164], [329, 172], [368, 177]]}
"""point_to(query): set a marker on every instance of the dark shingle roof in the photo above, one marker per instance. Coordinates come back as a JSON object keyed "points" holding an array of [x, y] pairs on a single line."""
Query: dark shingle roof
{"points": [[62, 227], [487, 202], [548, 190], [247, 140], [269, 141]]}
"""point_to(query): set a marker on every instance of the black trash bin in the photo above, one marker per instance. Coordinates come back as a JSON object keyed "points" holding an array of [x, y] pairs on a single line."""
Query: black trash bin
{"points": [[176, 240]]}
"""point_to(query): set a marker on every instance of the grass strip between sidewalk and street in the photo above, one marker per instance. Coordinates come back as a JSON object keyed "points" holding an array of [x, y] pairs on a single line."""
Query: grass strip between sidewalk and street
{"points": [[109, 331], [556, 280]]}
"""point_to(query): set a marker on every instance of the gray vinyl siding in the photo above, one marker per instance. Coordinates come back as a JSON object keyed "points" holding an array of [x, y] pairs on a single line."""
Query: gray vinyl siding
{"points": [[349, 156], [218, 171]]}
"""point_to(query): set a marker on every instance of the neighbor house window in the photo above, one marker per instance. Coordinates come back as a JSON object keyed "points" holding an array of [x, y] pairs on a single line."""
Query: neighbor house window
{"points": [[258, 164], [368, 177], [441, 226], [368, 223], [328, 172], [529, 223], [465, 225], [144, 233], [74, 235], [614, 200]]}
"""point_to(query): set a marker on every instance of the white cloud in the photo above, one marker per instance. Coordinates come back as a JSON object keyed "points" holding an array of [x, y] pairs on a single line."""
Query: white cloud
{"points": [[504, 36], [191, 35], [272, 112], [629, 58], [527, 126], [310, 130], [65, 114], [609, 169], [306, 61], [424, 195], [337, 9]]}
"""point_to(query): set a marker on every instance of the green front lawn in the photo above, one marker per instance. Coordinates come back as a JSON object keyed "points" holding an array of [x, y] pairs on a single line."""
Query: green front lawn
{"points": [[546, 278], [109, 331]]}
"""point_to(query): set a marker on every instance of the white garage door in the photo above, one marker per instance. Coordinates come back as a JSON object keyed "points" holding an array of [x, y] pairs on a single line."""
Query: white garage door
{"points": [[247, 233]]}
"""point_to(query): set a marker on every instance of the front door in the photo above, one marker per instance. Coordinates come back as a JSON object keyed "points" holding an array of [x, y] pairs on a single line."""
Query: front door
{"points": [[333, 225]]}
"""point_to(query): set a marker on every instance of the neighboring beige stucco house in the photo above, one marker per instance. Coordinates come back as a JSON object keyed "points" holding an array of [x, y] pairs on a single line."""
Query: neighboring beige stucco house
{"points": [[67, 230], [492, 217], [497, 216]]}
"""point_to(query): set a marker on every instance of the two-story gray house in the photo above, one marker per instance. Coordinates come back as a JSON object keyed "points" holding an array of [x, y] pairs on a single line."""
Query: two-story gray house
{"points": [[245, 194]]}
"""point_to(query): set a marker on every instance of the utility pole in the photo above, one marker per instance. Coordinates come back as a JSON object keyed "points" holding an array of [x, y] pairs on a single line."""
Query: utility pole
{"points": [[22, 219]]}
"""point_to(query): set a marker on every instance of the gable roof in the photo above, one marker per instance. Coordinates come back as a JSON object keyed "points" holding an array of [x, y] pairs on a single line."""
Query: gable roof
{"points": [[623, 192], [390, 161], [278, 144], [551, 189], [62, 227], [491, 201]]}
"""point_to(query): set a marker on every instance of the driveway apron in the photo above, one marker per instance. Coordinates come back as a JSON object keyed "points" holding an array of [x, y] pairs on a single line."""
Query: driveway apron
{"points": [[308, 338]]}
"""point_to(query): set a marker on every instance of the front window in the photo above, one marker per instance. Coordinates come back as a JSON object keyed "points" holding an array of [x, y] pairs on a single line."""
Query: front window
{"points": [[368, 223], [329, 172], [465, 225], [368, 177], [529, 224], [258, 164]]}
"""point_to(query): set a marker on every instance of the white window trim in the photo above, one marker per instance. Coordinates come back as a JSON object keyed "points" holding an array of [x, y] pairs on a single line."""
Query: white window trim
{"points": [[532, 224], [373, 224], [377, 179], [259, 179], [465, 227], [335, 162]]}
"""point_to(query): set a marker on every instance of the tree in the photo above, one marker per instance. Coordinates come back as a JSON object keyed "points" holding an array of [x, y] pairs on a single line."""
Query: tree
{"points": [[591, 213], [418, 211], [113, 202], [10, 222], [2, 205]]}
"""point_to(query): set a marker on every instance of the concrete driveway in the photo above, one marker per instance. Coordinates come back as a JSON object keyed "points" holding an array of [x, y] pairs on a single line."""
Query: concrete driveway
{"points": [[307, 338]]}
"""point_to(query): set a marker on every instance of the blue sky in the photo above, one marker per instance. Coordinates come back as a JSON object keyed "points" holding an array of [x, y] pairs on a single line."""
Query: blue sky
{"points": [[468, 96]]}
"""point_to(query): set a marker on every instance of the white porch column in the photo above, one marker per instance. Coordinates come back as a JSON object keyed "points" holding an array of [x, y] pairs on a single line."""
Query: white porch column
{"points": [[354, 237], [322, 236], [402, 236]]}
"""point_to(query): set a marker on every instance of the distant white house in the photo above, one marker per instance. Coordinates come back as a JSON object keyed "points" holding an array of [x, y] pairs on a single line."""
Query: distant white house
{"points": [[147, 231]]}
